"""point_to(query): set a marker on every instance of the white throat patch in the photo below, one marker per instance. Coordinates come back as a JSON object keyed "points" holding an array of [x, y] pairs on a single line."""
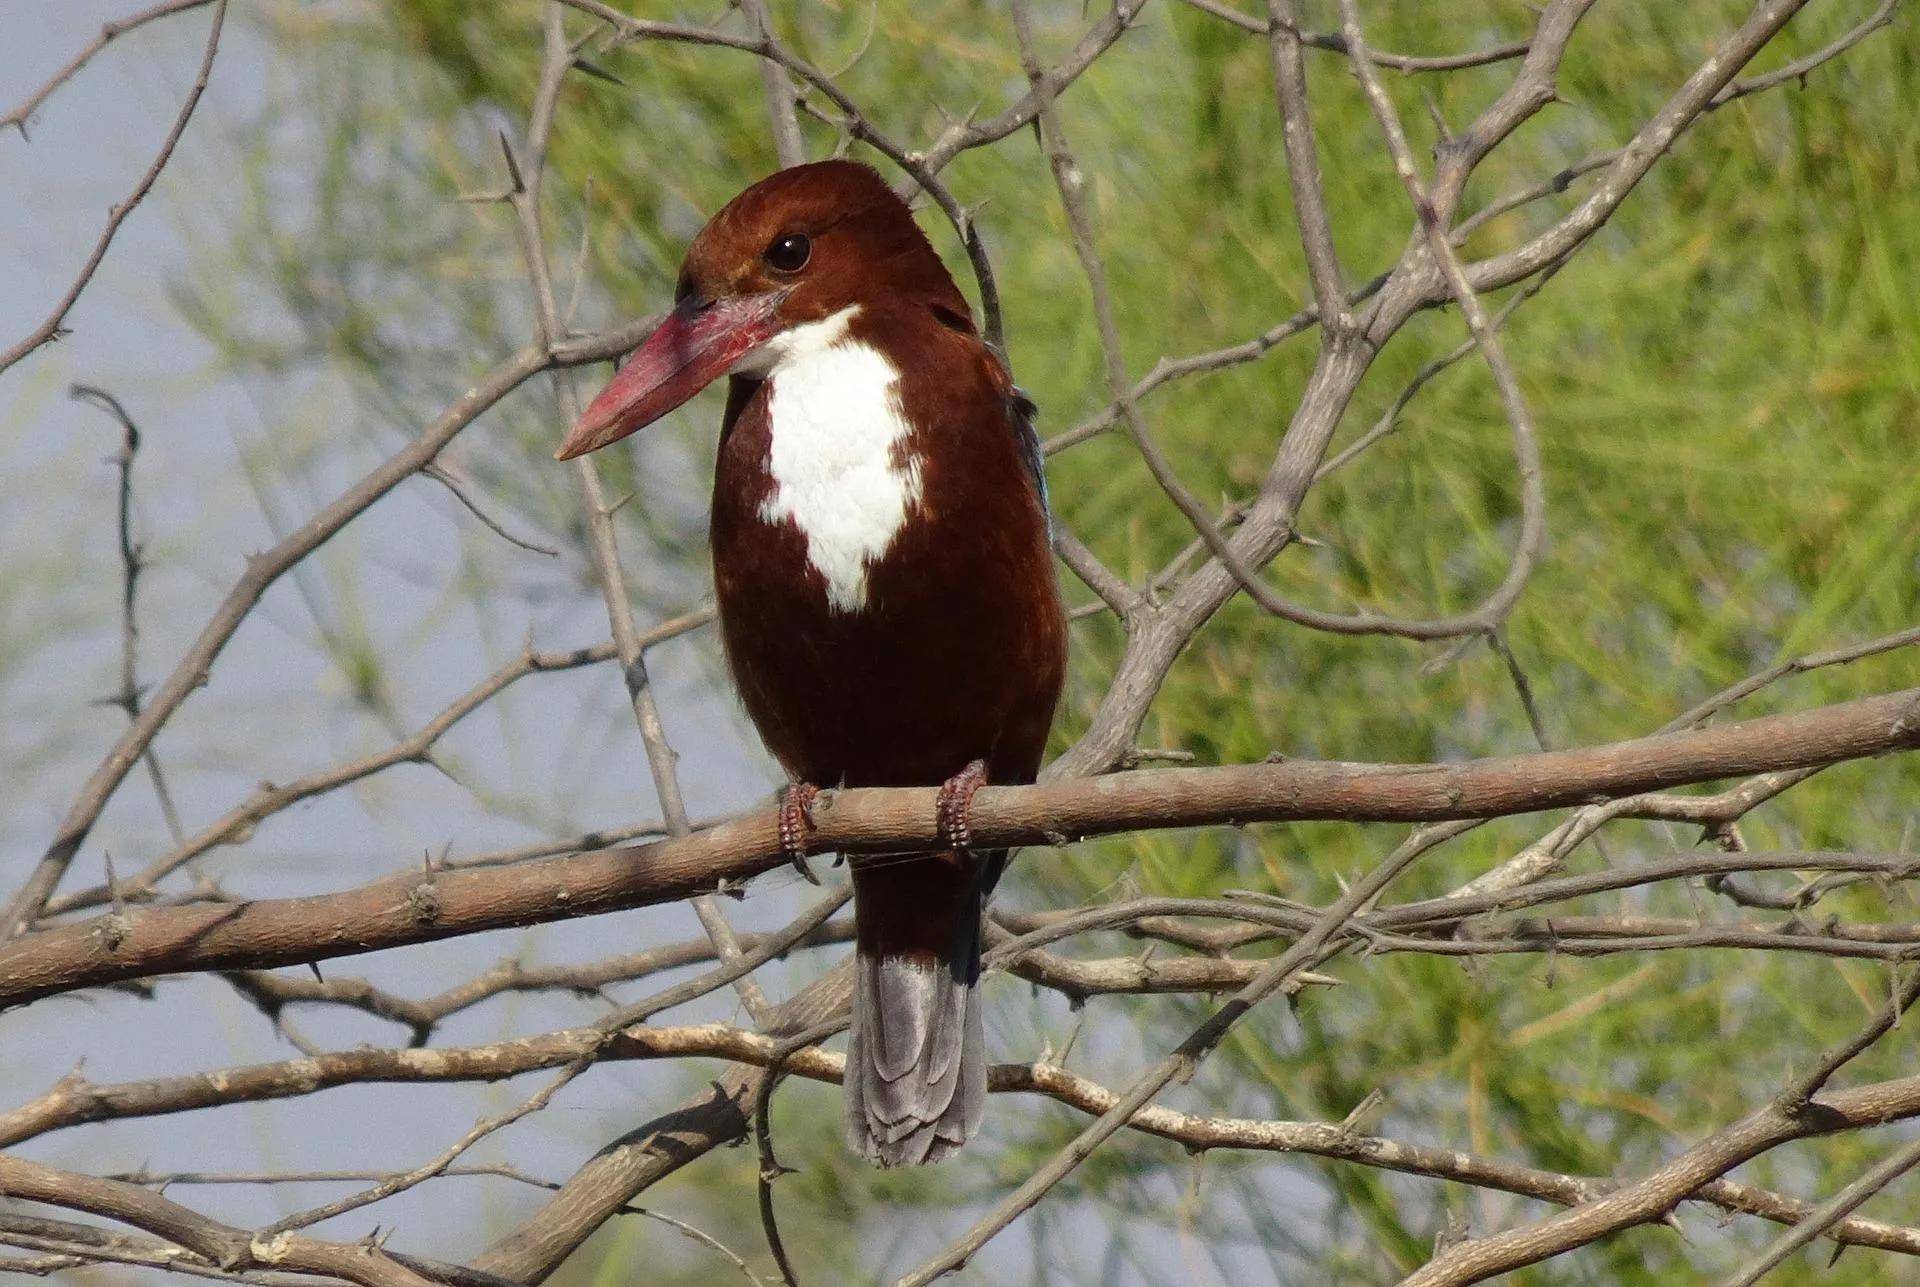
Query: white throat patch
{"points": [[837, 423]]}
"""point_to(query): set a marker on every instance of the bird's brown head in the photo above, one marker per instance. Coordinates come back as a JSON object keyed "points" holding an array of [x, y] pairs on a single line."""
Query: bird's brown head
{"points": [[799, 246]]}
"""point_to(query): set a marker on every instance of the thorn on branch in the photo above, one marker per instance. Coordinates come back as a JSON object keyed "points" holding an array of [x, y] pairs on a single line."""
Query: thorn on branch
{"points": [[598, 72], [513, 165], [1351, 1124]]}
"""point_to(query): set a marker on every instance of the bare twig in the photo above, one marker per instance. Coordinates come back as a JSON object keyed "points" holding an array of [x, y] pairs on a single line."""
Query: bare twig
{"points": [[53, 327], [194, 669], [1695, 97], [1787, 1117], [770, 1168], [1526, 442], [1824, 1216], [1303, 168], [1867, 1106], [458, 490], [109, 32], [785, 123], [603, 544], [1333, 42], [1070, 180], [240, 822], [220, 1244], [132, 564]]}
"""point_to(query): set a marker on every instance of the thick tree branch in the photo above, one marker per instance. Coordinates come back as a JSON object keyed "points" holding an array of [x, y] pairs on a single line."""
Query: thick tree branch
{"points": [[220, 1244], [76, 1102], [418, 908]]}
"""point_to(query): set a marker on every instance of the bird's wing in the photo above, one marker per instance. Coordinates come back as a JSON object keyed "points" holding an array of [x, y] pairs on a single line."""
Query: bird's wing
{"points": [[1021, 411]]}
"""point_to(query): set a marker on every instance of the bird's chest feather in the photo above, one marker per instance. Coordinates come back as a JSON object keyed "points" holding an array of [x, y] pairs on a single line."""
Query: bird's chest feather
{"points": [[834, 463], [880, 565]]}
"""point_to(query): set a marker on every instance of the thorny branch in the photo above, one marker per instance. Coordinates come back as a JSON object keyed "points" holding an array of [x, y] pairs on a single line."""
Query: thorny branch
{"points": [[1793, 1114], [109, 32], [132, 564], [194, 669], [423, 907], [603, 543], [218, 1244], [54, 325]]}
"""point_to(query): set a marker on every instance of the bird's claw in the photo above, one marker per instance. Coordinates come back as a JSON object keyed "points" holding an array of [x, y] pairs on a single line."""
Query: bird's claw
{"points": [[796, 820], [955, 806]]}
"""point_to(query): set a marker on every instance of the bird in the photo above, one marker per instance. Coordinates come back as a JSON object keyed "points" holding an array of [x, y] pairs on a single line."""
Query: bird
{"points": [[884, 581]]}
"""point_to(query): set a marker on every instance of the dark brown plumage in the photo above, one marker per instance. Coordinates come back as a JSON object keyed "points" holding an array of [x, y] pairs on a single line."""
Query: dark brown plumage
{"points": [[883, 574]]}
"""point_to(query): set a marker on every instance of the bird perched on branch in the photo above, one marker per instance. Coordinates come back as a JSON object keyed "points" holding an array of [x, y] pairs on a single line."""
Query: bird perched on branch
{"points": [[885, 585]]}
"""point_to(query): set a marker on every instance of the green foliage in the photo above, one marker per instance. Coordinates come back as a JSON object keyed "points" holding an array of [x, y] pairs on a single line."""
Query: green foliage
{"points": [[1727, 383]]}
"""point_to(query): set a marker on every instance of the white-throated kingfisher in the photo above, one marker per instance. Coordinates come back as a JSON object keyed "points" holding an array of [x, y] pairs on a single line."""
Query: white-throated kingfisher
{"points": [[884, 579]]}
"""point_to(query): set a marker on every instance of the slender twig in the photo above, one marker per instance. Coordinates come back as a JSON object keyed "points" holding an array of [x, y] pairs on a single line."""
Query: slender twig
{"points": [[54, 325], [1546, 855], [1119, 598], [1799, 1097], [423, 1015], [132, 564], [1488, 616], [1303, 168], [1179, 1065], [1333, 42], [219, 1243], [1866, 1106], [109, 32], [603, 544], [1070, 180], [400, 1182], [782, 118], [1526, 441], [1075, 977], [1824, 1216], [1692, 100], [458, 489], [1788, 1116], [770, 1168], [500, 1170], [240, 822], [194, 669], [1390, 420]]}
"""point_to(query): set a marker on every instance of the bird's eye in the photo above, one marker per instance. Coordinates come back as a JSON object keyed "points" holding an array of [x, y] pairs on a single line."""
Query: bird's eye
{"points": [[789, 253]]}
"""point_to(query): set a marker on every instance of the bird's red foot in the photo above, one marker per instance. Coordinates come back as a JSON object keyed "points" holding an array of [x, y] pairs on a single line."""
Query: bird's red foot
{"points": [[956, 805], [796, 820]]}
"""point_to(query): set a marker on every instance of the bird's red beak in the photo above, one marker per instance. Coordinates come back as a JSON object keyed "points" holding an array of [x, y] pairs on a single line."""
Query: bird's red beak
{"points": [[696, 345]]}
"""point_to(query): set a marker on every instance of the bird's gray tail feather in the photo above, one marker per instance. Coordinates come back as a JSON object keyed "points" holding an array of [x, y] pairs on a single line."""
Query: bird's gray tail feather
{"points": [[916, 1081]]}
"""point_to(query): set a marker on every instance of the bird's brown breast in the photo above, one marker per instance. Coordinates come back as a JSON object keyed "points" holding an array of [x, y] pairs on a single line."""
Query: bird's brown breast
{"points": [[955, 648]]}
